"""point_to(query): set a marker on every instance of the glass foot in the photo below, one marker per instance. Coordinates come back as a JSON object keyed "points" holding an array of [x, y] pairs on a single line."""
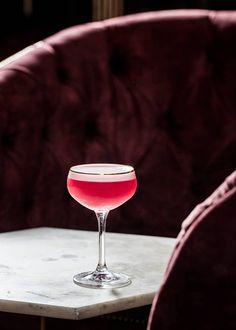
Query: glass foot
{"points": [[101, 279]]}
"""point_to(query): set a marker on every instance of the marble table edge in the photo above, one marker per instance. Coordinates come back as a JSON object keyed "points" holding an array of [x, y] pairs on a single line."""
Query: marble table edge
{"points": [[73, 312], [115, 306]]}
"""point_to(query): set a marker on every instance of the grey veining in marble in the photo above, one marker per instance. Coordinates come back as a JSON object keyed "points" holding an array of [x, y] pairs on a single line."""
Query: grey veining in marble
{"points": [[37, 267]]}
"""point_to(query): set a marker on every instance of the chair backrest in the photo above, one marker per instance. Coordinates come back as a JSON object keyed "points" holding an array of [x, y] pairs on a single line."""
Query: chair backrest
{"points": [[199, 289], [154, 90]]}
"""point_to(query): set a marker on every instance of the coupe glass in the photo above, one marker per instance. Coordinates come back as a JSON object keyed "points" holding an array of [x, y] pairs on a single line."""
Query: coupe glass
{"points": [[101, 188]]}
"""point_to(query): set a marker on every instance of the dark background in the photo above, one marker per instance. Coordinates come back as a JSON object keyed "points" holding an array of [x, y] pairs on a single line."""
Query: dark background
{"points": [[49, 16]]}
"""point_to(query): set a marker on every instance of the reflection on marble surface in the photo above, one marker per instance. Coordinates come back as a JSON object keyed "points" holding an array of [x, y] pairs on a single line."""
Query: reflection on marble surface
{"points": [[37, 267]]}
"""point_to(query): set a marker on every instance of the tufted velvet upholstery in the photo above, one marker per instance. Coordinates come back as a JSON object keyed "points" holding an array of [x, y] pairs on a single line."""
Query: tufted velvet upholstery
{"points": [[155, 90], [199, 289]]}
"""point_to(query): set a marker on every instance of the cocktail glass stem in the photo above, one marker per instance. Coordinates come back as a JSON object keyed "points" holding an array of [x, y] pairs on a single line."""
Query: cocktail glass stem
{"points": [[101, 217], [101, 277]]}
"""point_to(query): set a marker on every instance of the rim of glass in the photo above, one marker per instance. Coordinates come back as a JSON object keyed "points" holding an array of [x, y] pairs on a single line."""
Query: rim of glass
{"points": [[96, 164]]}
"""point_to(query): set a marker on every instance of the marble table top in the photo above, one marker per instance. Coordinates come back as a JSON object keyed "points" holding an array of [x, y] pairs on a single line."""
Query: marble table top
{"points": [[37, 267]]}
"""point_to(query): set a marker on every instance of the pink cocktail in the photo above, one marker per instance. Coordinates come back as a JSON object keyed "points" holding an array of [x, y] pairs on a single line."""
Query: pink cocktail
{"points": [[101, 188], [101, 195]]}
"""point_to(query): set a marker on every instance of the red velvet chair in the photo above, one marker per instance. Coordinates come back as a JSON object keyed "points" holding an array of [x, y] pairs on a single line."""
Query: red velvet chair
{"points": [[199, 289], [154, 90]]}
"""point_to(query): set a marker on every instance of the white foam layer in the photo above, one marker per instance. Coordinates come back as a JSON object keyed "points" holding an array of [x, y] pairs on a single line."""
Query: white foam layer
{"points": [[102, 172]]}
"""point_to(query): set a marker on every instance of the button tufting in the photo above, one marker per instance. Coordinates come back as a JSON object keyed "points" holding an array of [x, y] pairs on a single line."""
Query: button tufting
{"points": [[171, 124], [8, 140], [118, 63], [91, 130], [28, 203], [62, 75], [44, 133]]}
